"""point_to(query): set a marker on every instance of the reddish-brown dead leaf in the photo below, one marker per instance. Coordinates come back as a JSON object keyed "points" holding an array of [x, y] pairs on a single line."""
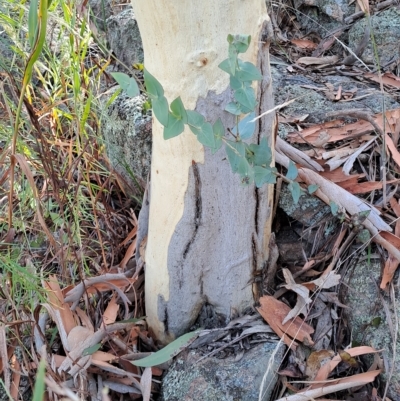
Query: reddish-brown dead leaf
{"points": [[387, 79], [274, 311], [56, 300], [392, 263], [16, 377], [325, 370], [338, 132], [304, 43], [363, 187], [318, 60], [391, 238], [393, 150], [111, 312]]}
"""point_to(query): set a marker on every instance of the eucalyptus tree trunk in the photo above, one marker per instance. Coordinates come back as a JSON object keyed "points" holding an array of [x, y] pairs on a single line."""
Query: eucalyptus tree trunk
{"points": [[208, 235]]}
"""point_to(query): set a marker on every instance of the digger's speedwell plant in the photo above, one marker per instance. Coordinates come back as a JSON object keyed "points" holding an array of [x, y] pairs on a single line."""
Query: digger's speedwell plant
{"points": [[252, 161]]}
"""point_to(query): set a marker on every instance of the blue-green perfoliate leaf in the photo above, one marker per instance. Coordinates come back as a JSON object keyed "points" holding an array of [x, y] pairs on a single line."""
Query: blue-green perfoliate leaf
{"points": [[174, 128], [295, 190], [127, 83], [312, 188], [233, 108], [240, 42], [161, 110], [206, 135], [234, 83], [178, 110], [235, 152], [246, 126], [200, 127], [219, 132], [292, 171], [153, 87], [261, 154], [227, 66], [247, 72], [264, 175], [165, 354], [246, 97], [245, 171], [334, 208]]}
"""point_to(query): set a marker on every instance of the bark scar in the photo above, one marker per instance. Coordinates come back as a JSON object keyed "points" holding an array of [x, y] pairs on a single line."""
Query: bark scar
{"points": [[198, 208]]}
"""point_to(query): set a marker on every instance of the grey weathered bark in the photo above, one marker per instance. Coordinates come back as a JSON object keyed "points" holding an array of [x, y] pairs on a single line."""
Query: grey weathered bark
{"points": [[208, 235]]}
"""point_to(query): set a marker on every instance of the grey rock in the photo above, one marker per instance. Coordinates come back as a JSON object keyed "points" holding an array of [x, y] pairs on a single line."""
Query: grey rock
{"points": [[385, 28], [365, 302], [126, 129], [223, 379], [315, 103], [101, 10], [308, 211], [321, 16], [124, 38]]}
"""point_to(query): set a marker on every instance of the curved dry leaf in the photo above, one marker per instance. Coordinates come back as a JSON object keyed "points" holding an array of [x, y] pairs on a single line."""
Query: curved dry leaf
{"points": [[274, 311], [111, 312], [145, 383], [318, 60], [77, 335]]}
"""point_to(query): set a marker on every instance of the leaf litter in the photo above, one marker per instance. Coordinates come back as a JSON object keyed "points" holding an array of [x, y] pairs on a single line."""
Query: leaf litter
{"points": [[99, 337]]}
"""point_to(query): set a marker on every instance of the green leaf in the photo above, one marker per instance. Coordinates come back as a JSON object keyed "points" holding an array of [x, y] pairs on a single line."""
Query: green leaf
{"points": [[38, 391], [195, 121], [161, 110], [295, 190], [241, 42], [246, 126], [376, 321], [219, 132], [127, 83], [91, 350], [334, 208], [234, 83], [178, 110], [247, 72], [245, 171], [174, 128], [235, 152], [153, 87], [233, 108], [233, 56], [227, 66], [246, 97], [206, 135], [262, 155], [312, 188], [33, 22], [292, 171], [166, 353], [264, 176]]}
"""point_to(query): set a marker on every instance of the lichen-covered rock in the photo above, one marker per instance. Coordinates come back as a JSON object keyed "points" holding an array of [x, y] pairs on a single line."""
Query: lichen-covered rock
{"points": [[309, 210], [385, 36], [126, 129], [124, 37], [101, 10], [215, 379], [366, 308]]}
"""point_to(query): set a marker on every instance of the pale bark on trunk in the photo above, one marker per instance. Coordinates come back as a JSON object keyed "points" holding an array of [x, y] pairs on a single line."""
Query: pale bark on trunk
{"points": [[208, 235]]}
